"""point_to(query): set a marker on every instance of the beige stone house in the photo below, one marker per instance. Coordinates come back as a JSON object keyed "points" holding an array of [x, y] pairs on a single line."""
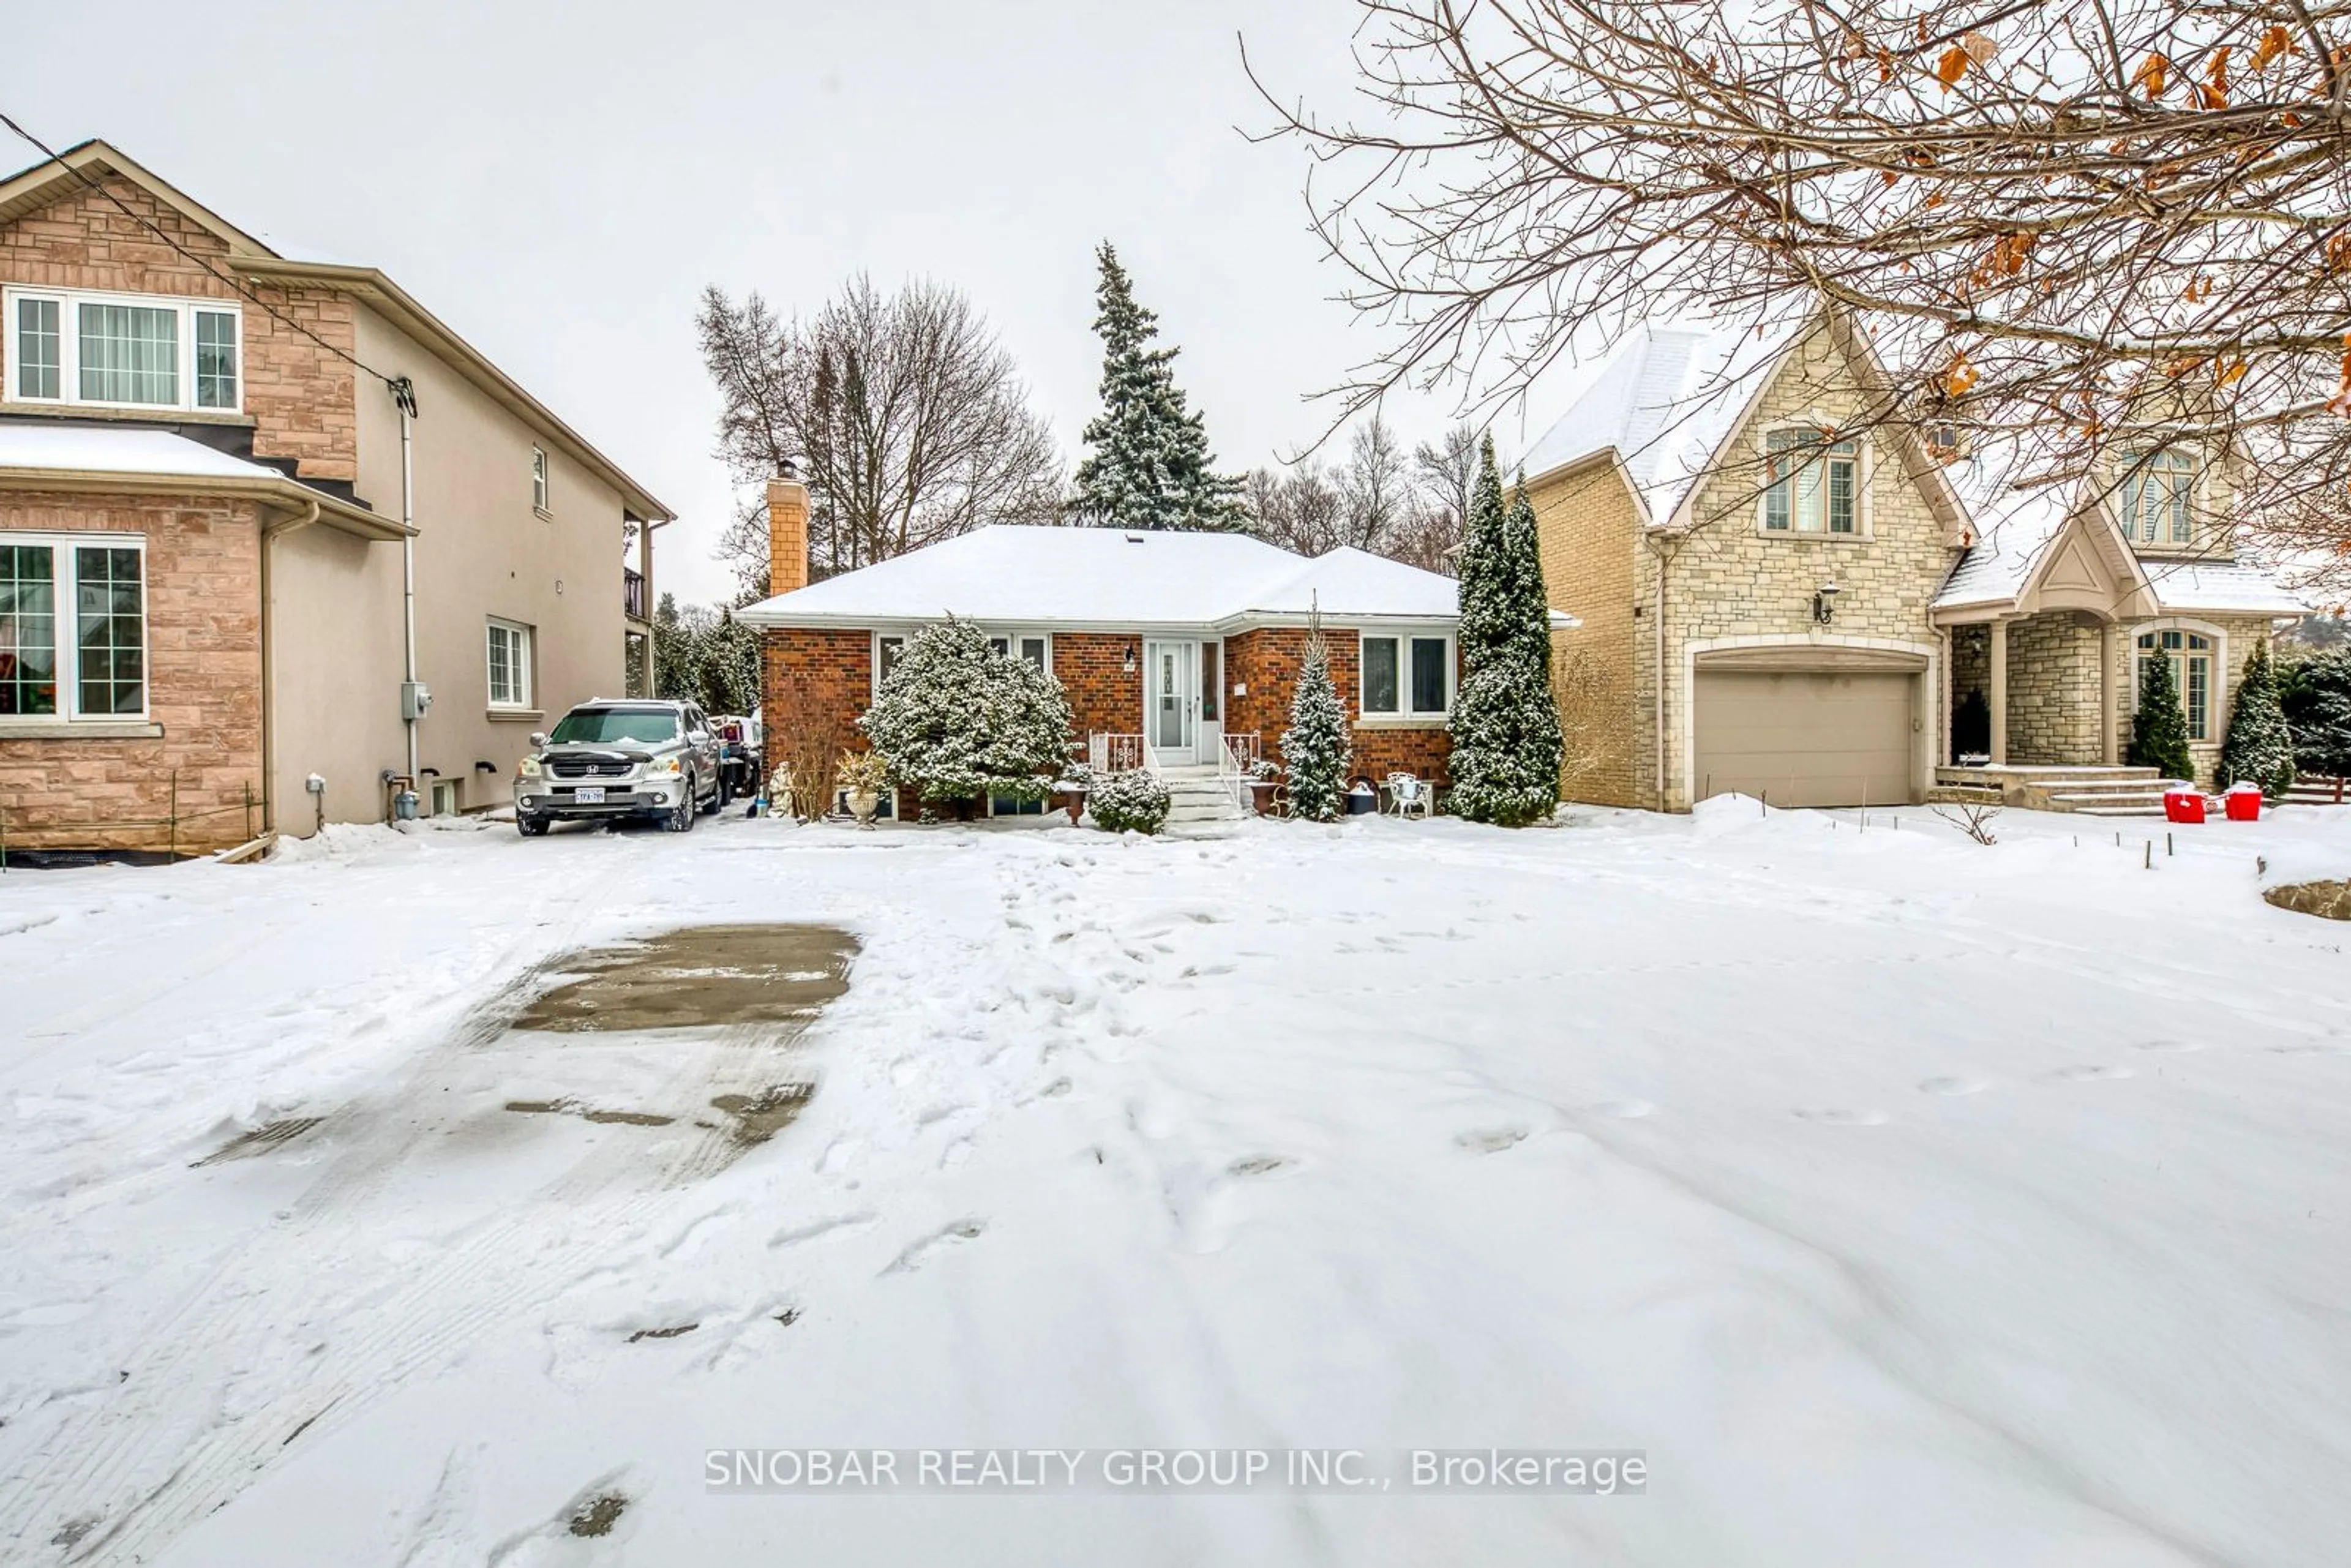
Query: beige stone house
{"points": [[1779, 600], [202, 536]]}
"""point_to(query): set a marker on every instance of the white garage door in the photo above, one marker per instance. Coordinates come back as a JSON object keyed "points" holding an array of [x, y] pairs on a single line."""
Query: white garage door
{"points": [[1806, 737]]}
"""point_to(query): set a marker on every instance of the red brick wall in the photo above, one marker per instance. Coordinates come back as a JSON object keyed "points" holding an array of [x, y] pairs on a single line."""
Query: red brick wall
{"points": [[1267, 662], [825, 675], [203, 686], [1103, 673], [299, 397]]}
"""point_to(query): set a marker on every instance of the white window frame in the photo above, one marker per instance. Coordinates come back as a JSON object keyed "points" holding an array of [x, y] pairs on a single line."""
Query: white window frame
{"points": [[1014, 637], [69, 302], [1822, 434], [1404, 639], [523, 669], [2214, 653], [64, 579], [542, 484], [2176, 527], [874, 662]]}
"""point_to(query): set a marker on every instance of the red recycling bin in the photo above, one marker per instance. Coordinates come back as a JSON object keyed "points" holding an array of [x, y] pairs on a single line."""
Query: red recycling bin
{"points": [[2243, 805], [2183, 806]]}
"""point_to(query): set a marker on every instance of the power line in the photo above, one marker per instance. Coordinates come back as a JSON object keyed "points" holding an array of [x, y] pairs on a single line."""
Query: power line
{"points": [[400, 385]]}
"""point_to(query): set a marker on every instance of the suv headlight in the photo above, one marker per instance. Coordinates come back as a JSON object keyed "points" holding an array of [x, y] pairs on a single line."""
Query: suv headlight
{"points": [[662, 768], [529, 767]]}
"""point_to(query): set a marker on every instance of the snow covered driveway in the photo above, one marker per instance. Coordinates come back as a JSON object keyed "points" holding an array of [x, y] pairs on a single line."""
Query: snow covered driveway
{"points": [[1902, 1200]]}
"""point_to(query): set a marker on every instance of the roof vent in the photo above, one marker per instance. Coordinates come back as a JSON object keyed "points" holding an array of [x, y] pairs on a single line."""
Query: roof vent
{"points": [[1134, 539]]}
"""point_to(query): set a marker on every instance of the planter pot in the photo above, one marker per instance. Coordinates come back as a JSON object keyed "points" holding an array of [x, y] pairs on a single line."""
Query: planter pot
{"points": [[1074, 802], [1361, 800], [862, 804], [1262, 795]]}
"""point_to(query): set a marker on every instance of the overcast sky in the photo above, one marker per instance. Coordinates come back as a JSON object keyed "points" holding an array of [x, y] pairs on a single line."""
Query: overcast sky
{"points": [[559, 181]]}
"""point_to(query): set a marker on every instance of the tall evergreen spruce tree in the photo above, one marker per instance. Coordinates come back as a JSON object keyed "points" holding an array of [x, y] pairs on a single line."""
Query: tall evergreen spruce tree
{"points": [[2159, 728], [1314, 749], [2260, 749], [1505, 736], [1147, 464], [2316, 694]]}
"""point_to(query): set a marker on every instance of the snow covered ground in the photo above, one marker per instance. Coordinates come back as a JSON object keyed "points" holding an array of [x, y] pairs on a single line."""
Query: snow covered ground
{"points": [[1902, 1200]]}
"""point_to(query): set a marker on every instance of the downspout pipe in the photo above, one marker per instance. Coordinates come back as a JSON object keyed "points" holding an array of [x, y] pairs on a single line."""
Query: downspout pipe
{"points": [[270, 534], [1657, 547], [403, 397]]}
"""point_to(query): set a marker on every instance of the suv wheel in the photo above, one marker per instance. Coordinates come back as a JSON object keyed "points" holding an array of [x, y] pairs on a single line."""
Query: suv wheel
{"points": [[532, 827], [681, 816]]}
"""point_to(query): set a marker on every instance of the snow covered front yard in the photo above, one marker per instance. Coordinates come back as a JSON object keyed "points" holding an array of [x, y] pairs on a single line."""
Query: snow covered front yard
{"points": [[1901, 1200]]}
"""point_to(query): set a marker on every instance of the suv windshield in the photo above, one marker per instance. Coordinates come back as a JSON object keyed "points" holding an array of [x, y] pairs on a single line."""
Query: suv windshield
{"points": [[602, 726]]}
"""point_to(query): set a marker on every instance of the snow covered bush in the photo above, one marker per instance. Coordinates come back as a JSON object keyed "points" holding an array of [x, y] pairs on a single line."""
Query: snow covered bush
{"points": [[2159, 728], [1315, 747], [2259, 749], [1506, 734], [957, 721], [2316, 694], [1133, 802]]}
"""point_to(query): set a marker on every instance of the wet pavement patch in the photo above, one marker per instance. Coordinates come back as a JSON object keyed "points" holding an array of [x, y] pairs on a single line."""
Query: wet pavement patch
{"points": [[261, 1140], [702, 977], [599, 1514], [568, 1108], [758, 1117]]}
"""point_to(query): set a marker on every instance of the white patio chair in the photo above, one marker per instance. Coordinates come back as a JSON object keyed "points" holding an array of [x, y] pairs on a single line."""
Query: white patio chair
{"points": [[1408, 794]]}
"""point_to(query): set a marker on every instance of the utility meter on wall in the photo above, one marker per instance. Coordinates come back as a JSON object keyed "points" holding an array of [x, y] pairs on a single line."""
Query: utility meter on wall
{"points": [[415, 699]]}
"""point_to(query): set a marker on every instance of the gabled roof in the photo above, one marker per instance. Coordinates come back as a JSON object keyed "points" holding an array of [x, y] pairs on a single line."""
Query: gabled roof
{"points": [[1664, 403], [1111, 580], [45, 455], [79, 166]]}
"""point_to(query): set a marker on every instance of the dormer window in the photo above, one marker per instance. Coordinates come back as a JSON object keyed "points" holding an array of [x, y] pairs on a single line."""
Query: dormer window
{"points": [[2155, 493], [1815, 483]]}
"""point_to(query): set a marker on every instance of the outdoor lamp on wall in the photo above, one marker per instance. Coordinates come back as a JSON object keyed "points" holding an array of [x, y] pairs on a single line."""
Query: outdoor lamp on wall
{"points": [[1128, 667], [1824, 603]]}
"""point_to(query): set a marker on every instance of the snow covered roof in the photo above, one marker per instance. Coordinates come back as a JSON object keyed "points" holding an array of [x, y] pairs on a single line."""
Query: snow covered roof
{"points": [[99, 449], [2244, 584], [52, 454], [1009, 576], [1665, 401]]}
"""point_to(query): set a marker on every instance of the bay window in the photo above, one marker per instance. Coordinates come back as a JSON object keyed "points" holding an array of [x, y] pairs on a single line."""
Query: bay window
{"points": [[1406, 677], [73, 628], [1814, 484], [123, 350]]}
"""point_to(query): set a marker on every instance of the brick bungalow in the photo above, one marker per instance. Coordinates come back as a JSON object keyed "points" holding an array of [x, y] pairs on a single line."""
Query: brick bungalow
{"points": [[1177, 650]]}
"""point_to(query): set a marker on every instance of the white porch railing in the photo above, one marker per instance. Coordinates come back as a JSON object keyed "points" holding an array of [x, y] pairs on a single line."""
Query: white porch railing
{"points": [[1116, 753], [1237, 764]]}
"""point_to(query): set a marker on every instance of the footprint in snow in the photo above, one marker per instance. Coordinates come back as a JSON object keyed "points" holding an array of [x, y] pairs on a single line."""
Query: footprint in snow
{"points": [[912, 1258], [1491, 1140], [1260, 1165], [1953, 1086], [2092, 1073], [1844, 1116]]}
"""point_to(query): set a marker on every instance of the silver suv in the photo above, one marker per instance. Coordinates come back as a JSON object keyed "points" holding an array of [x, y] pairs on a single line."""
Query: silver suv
{"points": [[622, 759]]}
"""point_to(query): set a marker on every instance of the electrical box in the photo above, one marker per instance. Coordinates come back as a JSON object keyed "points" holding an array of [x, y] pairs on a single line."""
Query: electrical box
{"points": [[415, 699]]}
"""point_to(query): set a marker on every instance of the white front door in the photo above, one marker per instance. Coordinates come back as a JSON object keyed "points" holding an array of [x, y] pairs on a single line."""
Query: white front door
{"points": [[1212, 701], [1170, 699]]}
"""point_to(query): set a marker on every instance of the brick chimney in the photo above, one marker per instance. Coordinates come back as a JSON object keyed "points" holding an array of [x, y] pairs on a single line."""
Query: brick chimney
{"points": [[788, 511]]}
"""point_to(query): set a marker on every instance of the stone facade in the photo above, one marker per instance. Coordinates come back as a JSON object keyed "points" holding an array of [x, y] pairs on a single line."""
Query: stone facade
{"points": [[203, 692], [299, 397], [1727, 579], [2053, 696], [2235, 637]]}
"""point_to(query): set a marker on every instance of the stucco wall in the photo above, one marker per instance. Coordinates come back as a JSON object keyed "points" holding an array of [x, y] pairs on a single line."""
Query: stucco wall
{"points": [[481, 550]]}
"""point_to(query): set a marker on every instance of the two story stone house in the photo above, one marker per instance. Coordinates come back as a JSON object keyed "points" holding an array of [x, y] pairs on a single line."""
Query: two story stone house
{"points": [[203, 599], [1777, 599]]}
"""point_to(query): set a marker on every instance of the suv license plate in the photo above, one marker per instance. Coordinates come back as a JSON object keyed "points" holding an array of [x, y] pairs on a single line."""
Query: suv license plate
{"points": [[589, 797]]}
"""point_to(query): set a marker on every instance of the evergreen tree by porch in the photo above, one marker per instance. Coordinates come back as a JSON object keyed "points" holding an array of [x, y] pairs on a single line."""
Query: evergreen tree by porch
{"points": [[1507, 747], [959, 722], [1147, 463], [2260, 749], [2159, 728], [2316, 695], [1314, 749]]}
